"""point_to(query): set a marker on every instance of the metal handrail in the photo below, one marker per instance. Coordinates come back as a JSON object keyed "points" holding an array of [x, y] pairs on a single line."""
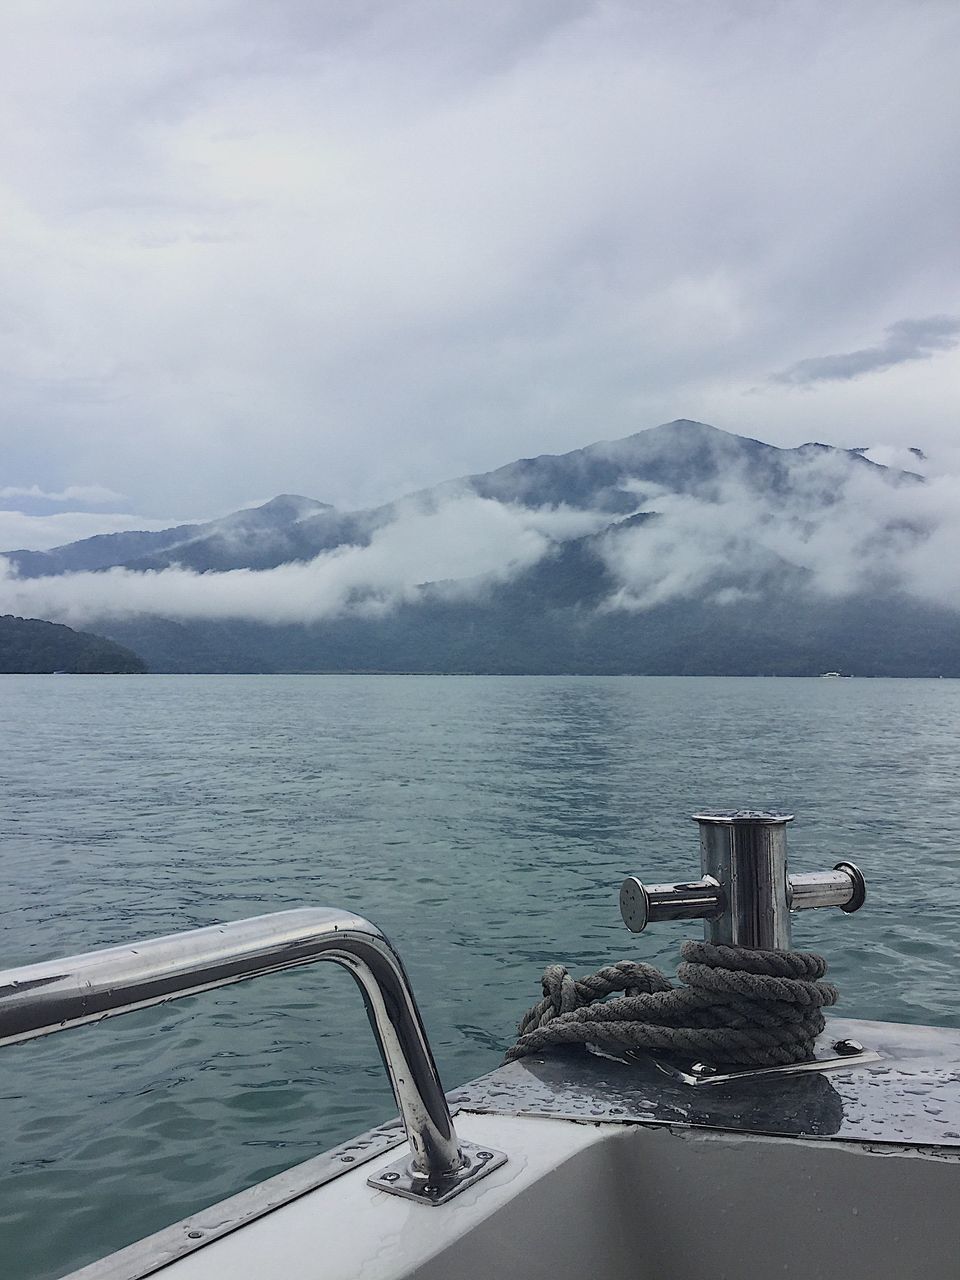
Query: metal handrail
{"points": [[54, 995]]}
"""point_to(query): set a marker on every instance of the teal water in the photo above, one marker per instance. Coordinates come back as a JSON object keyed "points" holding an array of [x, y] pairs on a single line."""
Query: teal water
{"points": [[485, 823]]}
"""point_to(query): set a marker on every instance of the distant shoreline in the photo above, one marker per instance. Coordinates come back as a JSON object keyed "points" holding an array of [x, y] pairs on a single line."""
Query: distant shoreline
{"points": [[472, 675]]}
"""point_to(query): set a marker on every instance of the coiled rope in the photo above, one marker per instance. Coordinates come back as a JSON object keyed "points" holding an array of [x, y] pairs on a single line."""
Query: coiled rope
{"points": [[739, 1007]]}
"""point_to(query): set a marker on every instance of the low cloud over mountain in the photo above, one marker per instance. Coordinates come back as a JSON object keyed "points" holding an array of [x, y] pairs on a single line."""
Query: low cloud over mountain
{"points": [[682, 516], [457, 537]]}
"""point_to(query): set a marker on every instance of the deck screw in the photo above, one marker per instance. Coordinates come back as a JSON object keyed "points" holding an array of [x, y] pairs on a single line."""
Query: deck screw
{"points": [[484, 1155], [848, 1048], [195, 1235], [703, 1069], [389, 1177]]}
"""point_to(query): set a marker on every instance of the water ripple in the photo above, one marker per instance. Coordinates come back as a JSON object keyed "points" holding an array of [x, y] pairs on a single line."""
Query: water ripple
{"points": [[484, 823]]}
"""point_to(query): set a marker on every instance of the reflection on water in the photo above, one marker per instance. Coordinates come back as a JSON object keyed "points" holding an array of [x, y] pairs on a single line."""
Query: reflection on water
{"points": [[484, 823]]}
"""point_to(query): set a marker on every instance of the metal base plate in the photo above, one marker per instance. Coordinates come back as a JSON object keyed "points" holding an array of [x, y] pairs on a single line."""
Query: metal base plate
{"points": [[910, 1094], [699, 1074], [401, 1179]]}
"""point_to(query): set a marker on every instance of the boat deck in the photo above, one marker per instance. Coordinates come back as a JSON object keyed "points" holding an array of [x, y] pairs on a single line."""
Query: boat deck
{"points": [[618, 1170]]}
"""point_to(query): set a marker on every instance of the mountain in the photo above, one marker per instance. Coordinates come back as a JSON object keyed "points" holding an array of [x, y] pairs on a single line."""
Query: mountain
{"points": [[682, 457], [256, 537], [28, 646], [678, 573]]}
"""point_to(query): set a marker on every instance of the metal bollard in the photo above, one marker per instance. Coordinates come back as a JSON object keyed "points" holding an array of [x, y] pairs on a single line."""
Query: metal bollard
{"points": [[745, 894]]}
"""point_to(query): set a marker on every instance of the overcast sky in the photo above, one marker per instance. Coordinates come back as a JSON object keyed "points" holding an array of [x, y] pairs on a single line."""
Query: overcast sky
{"points": [[352, 249]]}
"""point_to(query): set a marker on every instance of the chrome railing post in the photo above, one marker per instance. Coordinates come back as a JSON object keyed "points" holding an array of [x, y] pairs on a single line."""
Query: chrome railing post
{"points": [[54, 995]]}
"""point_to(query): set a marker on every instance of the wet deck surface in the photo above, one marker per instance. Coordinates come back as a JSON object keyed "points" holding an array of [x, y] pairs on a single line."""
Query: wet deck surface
{"points": [[909, 1096]]}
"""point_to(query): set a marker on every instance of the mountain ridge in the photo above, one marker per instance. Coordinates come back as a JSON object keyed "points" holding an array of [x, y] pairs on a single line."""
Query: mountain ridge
{"points": [[683, 455], [135, 547], [655, 557]]}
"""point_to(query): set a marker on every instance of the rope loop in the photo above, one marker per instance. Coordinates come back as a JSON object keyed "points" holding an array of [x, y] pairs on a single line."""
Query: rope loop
{"points": [[737, 1007]]}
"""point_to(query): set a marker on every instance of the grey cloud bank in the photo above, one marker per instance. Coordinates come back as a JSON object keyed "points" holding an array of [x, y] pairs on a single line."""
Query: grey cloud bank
{"points": [[906, 340], [353, 250]]}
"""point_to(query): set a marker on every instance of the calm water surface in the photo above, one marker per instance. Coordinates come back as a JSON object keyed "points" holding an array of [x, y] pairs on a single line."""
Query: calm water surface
{"points": [[484, 823]]}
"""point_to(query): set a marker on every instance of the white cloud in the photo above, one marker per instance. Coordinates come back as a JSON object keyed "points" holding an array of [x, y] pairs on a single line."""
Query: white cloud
{"points": [[19, 531], [467, 538], [847, 530], [898, 458], [93, 495]]}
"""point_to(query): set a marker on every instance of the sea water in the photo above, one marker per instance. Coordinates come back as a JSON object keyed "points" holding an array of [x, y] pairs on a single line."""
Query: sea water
{"points": [[484, 823]]}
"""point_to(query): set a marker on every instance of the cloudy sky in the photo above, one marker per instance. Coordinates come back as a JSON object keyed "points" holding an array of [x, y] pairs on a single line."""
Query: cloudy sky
{"points": [[352, 249]]}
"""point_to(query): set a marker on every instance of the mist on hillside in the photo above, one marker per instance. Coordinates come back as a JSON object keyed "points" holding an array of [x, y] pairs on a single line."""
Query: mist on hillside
{"points": [[839, 525]]}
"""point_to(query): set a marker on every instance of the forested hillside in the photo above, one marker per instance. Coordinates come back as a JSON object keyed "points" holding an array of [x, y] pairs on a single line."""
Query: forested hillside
{"points": [[29, 646]]}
